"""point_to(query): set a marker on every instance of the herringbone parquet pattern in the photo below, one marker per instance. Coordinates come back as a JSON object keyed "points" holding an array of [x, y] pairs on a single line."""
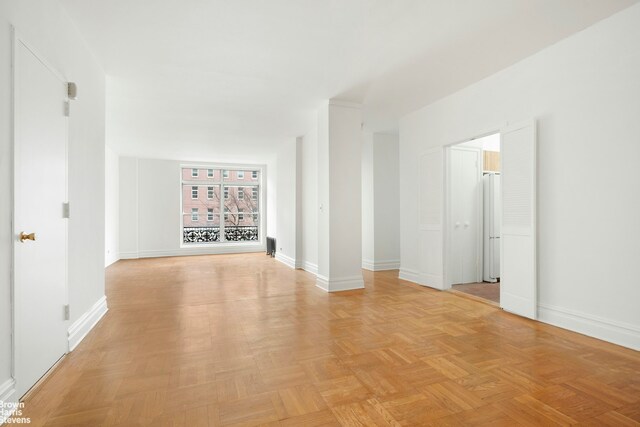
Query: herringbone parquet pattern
{"points": [[243, 340]]}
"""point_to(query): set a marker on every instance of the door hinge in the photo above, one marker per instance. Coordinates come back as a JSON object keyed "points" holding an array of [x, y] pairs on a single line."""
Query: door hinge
{"points": [[65, 210], [67, 108], [67, 312]]}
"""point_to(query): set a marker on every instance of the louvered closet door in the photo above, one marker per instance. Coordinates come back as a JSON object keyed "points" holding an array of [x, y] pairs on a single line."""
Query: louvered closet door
{"points": [[518, 288]]}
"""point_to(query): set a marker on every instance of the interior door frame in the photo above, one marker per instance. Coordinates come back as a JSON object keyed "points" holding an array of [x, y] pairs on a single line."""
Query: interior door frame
{"points": [[18, 40], [447, 209]]}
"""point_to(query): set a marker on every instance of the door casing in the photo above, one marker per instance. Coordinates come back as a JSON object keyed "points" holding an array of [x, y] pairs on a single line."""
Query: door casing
{"points": [[447, 207]]}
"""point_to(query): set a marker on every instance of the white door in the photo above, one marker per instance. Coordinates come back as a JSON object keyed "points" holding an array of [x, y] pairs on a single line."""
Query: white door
{"points": [[40, 265], [492, 211], [466, 182], [518, 281], [496, 226], [431, 172]]}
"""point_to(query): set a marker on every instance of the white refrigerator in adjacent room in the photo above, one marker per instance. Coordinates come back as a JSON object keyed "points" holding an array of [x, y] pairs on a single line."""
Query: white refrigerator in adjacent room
{"points": [[492, 209]]}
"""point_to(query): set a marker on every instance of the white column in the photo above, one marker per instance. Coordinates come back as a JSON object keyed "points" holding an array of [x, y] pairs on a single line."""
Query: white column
{"points": [[339, 196]]}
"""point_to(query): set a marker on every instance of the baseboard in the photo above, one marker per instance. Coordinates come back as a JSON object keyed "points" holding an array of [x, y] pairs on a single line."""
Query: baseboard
{"points": [[7, 395], [381, 265], [110, 261], [408, 275], [611, 331], [309, 267], [128, 255], [422, 279], [339, 284], [158, 253], [86, 322], [608, 330], [286, 260]]}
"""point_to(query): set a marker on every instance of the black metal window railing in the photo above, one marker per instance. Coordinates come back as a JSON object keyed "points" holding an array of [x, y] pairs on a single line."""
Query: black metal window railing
{"points": [[232, 233]]}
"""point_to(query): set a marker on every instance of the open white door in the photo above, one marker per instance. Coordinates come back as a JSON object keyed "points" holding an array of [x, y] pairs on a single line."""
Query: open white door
{"points": [[518, 287], [465, 217], [431, 169], [40, 259]]}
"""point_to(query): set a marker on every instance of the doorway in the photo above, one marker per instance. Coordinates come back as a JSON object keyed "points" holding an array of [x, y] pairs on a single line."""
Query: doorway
{"points": [[474, 207], [39, 218]]}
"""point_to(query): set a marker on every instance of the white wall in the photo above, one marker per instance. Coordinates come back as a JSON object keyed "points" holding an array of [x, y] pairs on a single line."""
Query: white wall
{"points": [[308, 155], [286, 211], [298, 204], [380, 202], [112, 207], [322, 188], [585, 94], [150, 211], [386, 206], [272, 195], [128, 207], [45, 25], [368, 226]]}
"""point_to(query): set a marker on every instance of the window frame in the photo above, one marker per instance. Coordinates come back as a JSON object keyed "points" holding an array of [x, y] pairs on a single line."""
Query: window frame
{"points": [[196, 212], [196, 171], [261, 214]]}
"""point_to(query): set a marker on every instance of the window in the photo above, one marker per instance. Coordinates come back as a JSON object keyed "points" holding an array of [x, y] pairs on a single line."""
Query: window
{"points": [[220, 206]]}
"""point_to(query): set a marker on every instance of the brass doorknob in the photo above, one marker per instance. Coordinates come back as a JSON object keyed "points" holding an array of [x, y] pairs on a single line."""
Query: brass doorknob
{"points": [[30, 236]]}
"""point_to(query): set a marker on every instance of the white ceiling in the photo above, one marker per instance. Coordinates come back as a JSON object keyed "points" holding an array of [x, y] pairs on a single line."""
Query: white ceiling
{"points": [[232, 79]]}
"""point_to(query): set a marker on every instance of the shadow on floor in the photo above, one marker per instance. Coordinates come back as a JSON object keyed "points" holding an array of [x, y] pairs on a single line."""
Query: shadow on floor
{"points": [[485, 290]]}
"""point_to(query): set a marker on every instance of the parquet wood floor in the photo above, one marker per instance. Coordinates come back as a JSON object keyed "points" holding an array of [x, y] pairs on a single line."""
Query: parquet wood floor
{"points": [[242, 340]]}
